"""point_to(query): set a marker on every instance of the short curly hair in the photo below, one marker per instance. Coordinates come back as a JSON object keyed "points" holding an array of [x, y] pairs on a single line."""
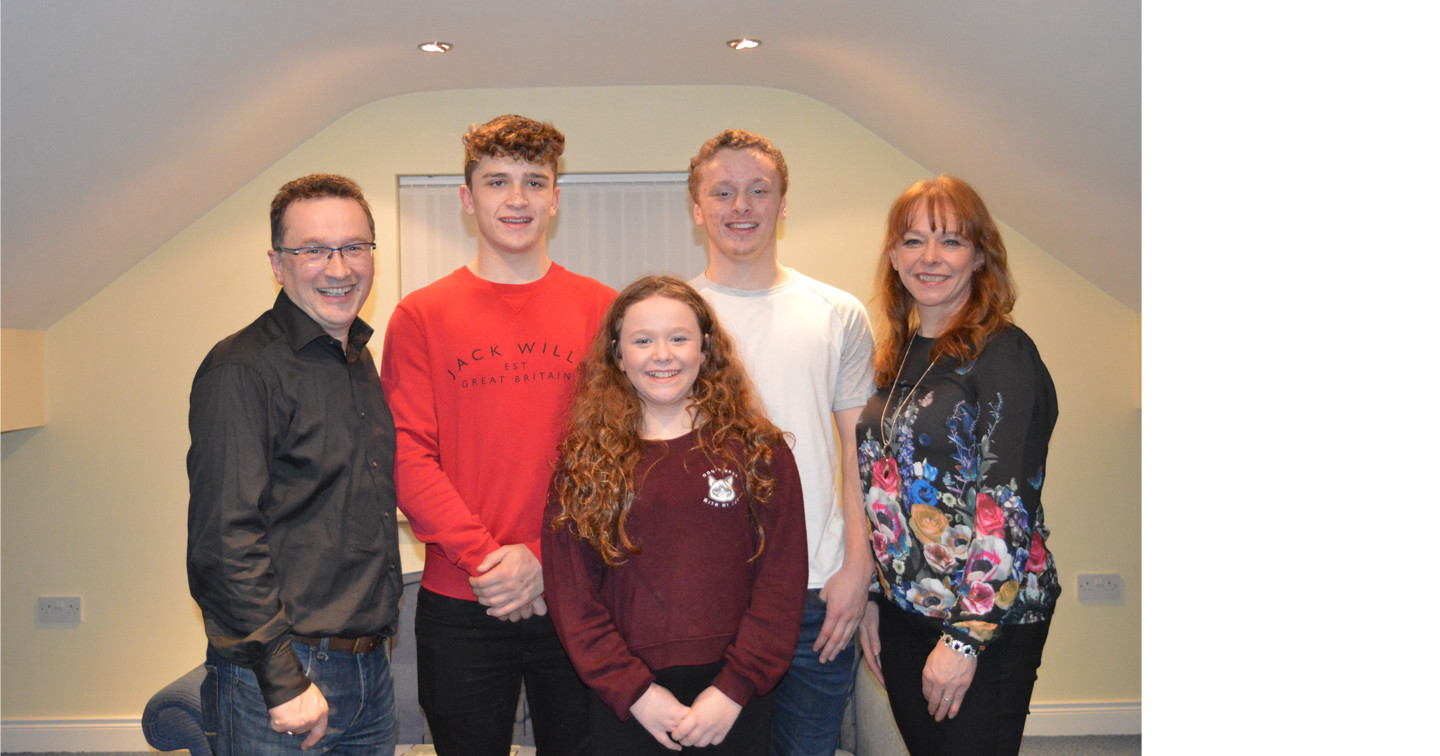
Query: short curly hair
{"points": [[314, 186], [737, 139], [515, 137]]}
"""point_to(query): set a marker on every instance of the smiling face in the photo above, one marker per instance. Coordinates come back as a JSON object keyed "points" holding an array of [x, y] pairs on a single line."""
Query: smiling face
{"points": [[660, 350], [331, 292], [740, 204], [513, 202], [935, 263]]}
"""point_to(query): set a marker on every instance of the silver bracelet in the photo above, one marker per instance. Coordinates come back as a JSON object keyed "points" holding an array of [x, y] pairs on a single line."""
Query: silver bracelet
{"points": [[959, 647]]}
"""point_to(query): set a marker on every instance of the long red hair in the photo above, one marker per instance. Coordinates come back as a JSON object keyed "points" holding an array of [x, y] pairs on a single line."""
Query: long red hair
{"points": [[596, 478], [945, 200]]}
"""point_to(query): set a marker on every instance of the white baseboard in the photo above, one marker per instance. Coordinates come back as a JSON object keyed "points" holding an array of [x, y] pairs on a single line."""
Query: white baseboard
{"points": [[113, 734], [1102, 718], [123, 733]]}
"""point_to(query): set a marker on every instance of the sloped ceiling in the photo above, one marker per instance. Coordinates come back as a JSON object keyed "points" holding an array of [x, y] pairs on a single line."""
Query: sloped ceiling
{"points": [[125, 121]]}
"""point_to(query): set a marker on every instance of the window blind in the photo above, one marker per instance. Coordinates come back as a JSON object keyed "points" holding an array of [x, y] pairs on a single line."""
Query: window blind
{"points": [[612, 227]]}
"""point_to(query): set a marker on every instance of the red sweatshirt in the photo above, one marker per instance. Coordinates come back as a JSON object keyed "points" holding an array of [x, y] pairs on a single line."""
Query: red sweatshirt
{"points": [[478, 376], [690, 596]]}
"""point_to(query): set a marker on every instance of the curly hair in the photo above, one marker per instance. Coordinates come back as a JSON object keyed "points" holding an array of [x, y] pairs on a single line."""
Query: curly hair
{"points": [[737, 139], [944, 200], [314, 186], [515, 137], [595, 476]]}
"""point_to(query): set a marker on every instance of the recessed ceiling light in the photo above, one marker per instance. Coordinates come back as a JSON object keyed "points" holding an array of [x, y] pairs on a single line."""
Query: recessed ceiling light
{"points": [[436, 47], [744, 43]]}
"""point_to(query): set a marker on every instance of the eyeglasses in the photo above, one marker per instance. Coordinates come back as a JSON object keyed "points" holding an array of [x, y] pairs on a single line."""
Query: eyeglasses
{"points": [[351, 253]]}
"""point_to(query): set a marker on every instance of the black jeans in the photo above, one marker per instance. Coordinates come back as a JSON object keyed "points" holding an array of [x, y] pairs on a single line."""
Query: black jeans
{"points": [[749, 736], [992, 716], [470, 666]]}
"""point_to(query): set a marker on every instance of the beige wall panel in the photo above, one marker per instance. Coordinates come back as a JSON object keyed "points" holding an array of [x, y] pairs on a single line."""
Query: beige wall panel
{"points": [[22, 379]]}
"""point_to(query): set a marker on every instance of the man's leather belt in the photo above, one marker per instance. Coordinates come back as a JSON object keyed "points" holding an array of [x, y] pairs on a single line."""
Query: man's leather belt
{"points": [[344, 645]]}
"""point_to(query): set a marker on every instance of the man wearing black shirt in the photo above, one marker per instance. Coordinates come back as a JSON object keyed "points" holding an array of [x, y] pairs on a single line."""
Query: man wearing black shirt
{"points": [[293, 555]]}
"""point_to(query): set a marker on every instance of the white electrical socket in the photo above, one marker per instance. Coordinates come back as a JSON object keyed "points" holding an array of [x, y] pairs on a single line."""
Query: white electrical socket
{"points": [[58, 610], [1099, 587]]}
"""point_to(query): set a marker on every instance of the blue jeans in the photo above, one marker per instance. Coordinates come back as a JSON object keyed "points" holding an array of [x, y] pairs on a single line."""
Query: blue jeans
{"points": [[810, 700], [357, 688]]}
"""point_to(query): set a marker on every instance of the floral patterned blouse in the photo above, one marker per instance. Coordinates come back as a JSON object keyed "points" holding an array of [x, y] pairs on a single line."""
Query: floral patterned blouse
{"points": [[954, 497]]}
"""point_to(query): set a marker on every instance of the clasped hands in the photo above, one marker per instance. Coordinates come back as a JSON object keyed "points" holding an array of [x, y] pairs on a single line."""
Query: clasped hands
{"points": [[703, 723], [510, 583]]}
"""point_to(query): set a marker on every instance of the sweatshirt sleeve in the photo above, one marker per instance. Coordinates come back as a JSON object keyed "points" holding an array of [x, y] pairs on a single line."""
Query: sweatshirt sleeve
{"points": [[572, 571], [437, 513], [765, 641]]}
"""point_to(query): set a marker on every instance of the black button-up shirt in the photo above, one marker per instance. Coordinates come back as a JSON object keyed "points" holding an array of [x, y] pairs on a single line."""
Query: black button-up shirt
{"points": [[292, 495]]}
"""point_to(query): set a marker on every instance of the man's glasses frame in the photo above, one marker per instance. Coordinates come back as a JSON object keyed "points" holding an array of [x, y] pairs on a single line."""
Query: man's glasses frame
{"points": [[317, 255]]}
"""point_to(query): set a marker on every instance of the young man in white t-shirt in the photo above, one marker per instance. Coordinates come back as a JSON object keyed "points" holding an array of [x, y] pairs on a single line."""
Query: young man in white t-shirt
{"points": [[808, 348]]}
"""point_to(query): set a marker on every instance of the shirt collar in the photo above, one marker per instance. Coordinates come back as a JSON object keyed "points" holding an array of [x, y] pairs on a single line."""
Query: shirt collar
{"points": [[301, 330]]}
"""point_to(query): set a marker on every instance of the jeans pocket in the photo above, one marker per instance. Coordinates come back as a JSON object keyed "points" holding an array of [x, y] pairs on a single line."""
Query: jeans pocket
{"points": [[306, 655]]}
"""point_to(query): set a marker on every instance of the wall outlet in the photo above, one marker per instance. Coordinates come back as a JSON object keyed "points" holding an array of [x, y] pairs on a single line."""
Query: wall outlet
{"points": [[1099, 587], [58, 610]]}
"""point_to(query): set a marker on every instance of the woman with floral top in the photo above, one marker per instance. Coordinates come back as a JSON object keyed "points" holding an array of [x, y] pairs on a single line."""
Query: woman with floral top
{"points": [[952, 459]]}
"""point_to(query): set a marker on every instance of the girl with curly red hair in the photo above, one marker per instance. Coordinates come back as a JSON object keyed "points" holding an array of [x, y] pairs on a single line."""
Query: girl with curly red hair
{"points": [[675, 558]]}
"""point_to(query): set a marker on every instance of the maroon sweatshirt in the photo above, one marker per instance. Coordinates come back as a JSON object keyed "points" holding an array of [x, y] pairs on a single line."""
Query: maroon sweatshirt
{"points": [[691, 596]]}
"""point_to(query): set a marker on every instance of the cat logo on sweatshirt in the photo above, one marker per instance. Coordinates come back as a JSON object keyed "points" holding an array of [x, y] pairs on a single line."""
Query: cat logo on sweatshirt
{"points": [[722, 488]]}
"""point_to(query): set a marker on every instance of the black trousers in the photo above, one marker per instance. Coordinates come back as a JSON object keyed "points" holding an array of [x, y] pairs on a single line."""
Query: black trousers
{"points": [[991, 719], [470, 666], [749, 736]]}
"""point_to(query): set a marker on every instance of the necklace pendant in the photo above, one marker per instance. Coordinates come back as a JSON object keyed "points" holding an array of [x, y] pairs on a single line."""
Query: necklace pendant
{"points": [[895, 418]]}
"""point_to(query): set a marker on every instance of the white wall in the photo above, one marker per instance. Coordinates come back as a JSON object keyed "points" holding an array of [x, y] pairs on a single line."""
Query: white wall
{"points": [[95, 501]]}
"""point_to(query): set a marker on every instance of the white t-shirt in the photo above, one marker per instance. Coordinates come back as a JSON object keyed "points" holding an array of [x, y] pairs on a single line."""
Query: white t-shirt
{"points": [[808, 348]]}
